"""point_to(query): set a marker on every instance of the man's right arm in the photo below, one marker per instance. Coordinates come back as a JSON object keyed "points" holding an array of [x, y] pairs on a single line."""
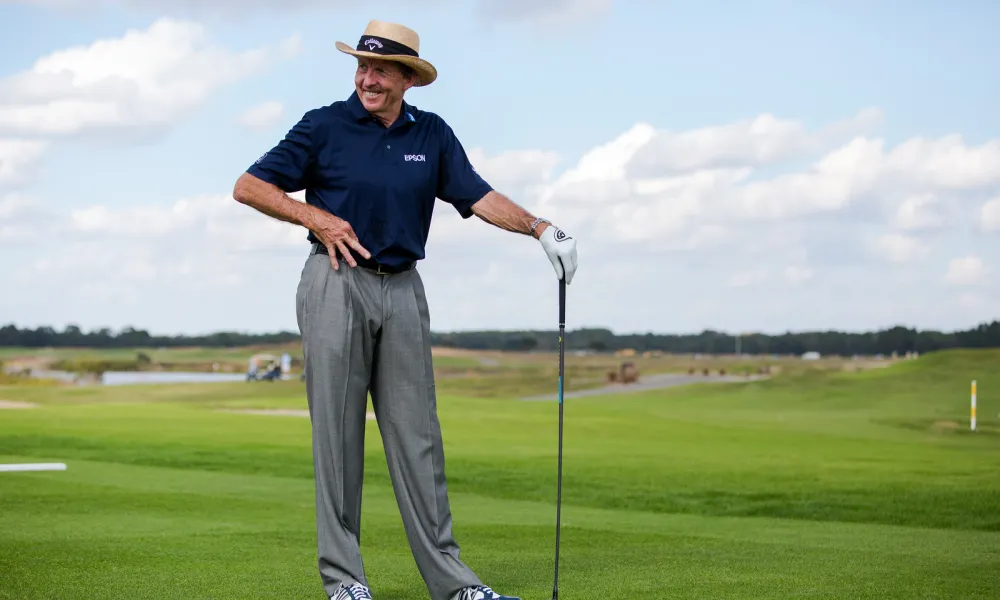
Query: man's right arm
{"points": [[286, 167], [272, 201], [335, 233]]}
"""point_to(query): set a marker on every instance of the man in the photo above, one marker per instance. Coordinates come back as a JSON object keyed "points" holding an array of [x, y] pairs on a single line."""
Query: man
{"points": [[372, 167]]}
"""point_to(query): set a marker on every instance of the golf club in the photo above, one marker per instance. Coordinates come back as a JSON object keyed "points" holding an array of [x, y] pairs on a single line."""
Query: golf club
{"points": [[562, 360]]}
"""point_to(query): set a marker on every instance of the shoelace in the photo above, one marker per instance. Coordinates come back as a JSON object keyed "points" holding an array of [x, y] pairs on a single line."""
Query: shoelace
{"points": [[479, 593], [355, 592]]}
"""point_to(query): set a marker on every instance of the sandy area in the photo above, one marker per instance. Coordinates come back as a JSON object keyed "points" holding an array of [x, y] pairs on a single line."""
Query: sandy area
{"points": [[11, 404], [281, 412]]}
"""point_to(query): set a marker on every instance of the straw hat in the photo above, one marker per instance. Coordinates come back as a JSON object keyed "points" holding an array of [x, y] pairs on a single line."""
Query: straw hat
{"points": [[389, 41]]}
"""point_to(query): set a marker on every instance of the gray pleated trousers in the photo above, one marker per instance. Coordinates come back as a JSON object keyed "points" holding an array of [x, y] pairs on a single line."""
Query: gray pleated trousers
{"points": [[367, 332]]}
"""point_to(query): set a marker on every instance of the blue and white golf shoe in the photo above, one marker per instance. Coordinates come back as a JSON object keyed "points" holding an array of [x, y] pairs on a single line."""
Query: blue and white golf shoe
{"points": [[481, 592], [355, 591]]}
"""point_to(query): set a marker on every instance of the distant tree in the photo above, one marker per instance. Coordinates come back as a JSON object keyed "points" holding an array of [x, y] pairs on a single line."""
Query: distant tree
{"points": [[895, 339], [598, 346]]}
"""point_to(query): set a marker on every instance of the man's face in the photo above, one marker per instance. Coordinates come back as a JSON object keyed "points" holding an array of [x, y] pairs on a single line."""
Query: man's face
{"points": [[380, 85]]}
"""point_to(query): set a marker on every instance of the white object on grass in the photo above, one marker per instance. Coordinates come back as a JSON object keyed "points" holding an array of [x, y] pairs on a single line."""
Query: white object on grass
{"points": [[34, 467]]}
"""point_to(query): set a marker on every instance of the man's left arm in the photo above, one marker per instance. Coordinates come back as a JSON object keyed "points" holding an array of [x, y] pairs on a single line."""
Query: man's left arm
{"points": [[500, 211], [470, 194]]}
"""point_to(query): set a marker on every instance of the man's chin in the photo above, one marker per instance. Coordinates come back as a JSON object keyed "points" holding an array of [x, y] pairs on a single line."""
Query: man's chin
{"points": [[373, 103]]}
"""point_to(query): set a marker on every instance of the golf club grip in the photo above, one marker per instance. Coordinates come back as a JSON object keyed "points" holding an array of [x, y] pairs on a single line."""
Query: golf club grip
{"points": [[562, 302]]}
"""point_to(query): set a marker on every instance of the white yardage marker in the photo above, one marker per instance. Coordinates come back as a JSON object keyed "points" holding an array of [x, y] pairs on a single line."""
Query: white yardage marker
{"points": [[34, 467], [972, 422]]}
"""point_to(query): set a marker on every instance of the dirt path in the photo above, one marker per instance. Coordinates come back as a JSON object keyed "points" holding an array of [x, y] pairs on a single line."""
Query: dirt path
{"points": [[12, 405], [649, 382]]}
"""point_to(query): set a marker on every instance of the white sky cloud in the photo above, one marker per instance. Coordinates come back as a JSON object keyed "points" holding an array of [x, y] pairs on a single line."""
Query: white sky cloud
{"points": [[262, 116], [944, 163], [989, 215], [143, 81], [760, 141], [715, 225], [967, 270], [206, 224], [22, 219], [899, 248], [749, 278], [18, 160], [919, 212], [797, 274]]}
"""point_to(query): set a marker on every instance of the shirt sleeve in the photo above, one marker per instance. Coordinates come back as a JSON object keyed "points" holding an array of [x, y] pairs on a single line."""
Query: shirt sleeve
{"points": [[287, 165], [458, 182]]}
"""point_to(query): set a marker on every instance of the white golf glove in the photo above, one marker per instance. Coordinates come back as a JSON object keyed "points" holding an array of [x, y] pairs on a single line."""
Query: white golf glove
{"points": [[561, 250]]}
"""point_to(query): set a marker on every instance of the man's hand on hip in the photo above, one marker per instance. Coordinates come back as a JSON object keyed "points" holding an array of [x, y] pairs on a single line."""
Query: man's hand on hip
{"points": [[561, 250], [337, 234]]}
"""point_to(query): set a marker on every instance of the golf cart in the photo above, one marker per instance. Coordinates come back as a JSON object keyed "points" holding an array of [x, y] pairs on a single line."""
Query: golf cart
{"points": [[265, 367]]}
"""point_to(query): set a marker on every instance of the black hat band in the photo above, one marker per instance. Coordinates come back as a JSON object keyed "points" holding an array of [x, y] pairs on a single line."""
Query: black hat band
{"points": [[381, 45]]}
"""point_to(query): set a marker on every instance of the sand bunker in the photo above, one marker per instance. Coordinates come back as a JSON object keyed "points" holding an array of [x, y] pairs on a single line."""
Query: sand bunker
{"points": [[11, 404], [281, 412]]}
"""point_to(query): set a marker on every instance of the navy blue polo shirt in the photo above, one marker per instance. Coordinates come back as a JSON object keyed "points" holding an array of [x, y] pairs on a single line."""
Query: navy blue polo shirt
{"points": [[383, 181]]}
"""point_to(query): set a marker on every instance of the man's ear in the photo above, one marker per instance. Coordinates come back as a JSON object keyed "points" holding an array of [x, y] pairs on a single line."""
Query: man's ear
{"points": [[409, 80]]}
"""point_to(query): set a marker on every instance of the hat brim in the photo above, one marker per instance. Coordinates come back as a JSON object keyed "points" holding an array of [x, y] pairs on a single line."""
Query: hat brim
{"points": [[426, 73]]}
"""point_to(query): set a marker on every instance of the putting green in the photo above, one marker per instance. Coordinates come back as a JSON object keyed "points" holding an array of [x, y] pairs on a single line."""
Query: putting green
{"points": [[832, 485]]}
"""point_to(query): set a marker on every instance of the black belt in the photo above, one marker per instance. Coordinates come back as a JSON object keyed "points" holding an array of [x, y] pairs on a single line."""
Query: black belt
{"points": [[368, 263]]}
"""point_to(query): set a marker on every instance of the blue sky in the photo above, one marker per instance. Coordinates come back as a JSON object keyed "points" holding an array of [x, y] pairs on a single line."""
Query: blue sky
{"points": [[695, 216]]}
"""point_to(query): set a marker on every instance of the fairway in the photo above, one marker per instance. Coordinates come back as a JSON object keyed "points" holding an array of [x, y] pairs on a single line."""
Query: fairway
{"points": [[813, 484]]}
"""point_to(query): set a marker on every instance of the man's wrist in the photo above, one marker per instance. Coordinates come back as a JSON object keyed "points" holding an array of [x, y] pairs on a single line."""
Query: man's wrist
{"points": [[310, 216], [539, 226]]}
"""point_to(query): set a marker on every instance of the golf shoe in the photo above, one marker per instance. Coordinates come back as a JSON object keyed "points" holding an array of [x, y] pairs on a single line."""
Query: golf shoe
{"points": [[355, 591], [481, 592]]}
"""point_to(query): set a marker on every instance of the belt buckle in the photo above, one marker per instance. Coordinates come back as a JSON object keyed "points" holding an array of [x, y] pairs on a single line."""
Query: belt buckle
{"points": [[378, 269]]}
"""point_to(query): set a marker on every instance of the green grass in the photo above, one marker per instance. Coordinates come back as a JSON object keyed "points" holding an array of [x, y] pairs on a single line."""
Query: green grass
{"points": [[820, 484]]}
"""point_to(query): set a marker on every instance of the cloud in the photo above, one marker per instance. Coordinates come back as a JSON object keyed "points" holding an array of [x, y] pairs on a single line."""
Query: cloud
{"points": [[755, 142], [139, 83], [661, 242], [797, 274], [262, 116], [967, 270], [19, 160], [899, 248], [520, 172], [749, 278], [652, 186], [943, 163], [989, 215], [22, 219], [919, 212], [210, 223]]}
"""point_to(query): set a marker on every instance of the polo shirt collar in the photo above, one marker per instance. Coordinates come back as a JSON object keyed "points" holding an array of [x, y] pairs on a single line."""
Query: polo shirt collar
{"points": [[357, 110]]}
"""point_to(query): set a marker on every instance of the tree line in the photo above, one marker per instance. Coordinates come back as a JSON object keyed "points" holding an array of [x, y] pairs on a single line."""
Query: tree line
{"points": [[896, 339]]}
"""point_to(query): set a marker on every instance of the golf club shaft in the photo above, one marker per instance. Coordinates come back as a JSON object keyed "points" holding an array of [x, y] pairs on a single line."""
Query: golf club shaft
{"points": [[562, 373]]}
